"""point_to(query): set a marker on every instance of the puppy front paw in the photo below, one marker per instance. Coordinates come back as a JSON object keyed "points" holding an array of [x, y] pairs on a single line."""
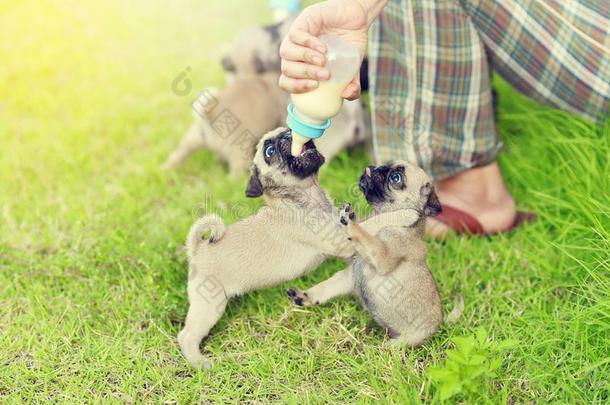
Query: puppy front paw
{"points": [[298, 297], [347, 214]]}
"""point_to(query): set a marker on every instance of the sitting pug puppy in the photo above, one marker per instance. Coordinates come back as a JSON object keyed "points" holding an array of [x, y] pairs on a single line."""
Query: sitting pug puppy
{"points": [[291, 235], [389, 272]]}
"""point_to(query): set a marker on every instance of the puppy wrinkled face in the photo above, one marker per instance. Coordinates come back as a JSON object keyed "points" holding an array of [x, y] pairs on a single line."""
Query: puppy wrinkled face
{"points": [[276, 152], [274, 165], [375, 183], [399, 185]]}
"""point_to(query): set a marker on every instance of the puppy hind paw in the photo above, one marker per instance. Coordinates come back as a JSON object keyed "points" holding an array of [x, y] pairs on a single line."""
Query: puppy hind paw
{"points": [[201, 363], [298, 297]]}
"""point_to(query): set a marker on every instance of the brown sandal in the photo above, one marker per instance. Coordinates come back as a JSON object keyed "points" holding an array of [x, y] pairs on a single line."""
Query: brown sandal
{"points": [[463, 223]]}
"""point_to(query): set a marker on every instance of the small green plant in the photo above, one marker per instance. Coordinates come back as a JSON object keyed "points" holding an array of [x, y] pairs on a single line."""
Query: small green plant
{"points": [[469, 366]]}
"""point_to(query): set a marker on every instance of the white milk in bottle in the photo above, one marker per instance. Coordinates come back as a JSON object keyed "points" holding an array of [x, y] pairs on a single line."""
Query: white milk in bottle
{"points": [[309, 113]]}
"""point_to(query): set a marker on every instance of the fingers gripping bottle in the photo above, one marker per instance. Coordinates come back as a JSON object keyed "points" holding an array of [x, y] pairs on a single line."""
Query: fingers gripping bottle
{"points": [[309, 113]]}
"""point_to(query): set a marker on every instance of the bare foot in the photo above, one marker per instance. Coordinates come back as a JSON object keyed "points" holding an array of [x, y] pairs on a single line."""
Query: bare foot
{"points": [[479, 192]]}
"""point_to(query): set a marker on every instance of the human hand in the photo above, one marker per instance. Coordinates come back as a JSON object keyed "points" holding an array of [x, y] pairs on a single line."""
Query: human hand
{"points": [[303, 54]]}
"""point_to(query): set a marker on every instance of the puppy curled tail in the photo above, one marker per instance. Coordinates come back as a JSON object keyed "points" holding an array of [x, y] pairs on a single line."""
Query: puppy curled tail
{"points": [[458, 307], [212, 223]]}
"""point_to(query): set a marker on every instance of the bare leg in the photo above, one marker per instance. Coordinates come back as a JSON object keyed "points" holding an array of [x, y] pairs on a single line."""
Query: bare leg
{"points": [[341, 283], [206, 307], [191, 141]]}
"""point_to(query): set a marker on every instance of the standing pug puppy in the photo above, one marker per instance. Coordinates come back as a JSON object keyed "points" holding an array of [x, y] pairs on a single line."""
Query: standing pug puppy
{"points": [[296, 231], [230, 122], [389, 273]]}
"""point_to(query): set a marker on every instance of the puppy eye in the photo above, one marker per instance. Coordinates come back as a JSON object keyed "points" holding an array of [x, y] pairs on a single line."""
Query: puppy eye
{"points": [[395, 177], [269, 151]]}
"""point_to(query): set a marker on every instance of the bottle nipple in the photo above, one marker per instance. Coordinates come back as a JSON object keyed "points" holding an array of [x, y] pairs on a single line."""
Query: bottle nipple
{"points": [[298, 141]]}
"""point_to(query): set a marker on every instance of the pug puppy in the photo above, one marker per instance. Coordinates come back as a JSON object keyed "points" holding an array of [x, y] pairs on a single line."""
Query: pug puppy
{"points": [[389, 272], [230, 122], [290, 236]]}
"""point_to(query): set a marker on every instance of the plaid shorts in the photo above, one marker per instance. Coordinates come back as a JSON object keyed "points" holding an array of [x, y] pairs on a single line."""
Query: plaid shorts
{"points": [[430, 62]]}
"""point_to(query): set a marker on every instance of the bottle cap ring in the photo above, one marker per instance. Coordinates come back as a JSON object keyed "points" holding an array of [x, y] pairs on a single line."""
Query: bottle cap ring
{"points": [[303, 128]]}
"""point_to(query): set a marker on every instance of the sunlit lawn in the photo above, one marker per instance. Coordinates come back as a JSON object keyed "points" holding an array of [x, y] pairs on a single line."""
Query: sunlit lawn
{"points": [[92, 278]]}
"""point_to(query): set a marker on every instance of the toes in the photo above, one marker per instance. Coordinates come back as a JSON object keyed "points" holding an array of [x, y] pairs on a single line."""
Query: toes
{"points": [[300, 298], [347, 212]]}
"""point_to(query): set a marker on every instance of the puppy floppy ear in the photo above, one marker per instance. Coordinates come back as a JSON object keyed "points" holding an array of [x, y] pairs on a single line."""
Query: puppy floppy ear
{"points": [[227, 64], [255, 187], [433, 205], [259, 65]]}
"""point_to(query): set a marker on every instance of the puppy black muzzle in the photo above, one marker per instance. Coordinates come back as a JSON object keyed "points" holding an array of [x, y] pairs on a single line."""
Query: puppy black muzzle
{"points": [[304, 165], [373, 184]]}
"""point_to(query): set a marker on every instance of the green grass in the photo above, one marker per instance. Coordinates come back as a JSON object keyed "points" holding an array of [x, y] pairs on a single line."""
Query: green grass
{"points": [[92, 280]]}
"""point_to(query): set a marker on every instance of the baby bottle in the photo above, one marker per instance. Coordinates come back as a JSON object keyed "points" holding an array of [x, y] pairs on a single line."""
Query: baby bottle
{"points": [[309, 113]]}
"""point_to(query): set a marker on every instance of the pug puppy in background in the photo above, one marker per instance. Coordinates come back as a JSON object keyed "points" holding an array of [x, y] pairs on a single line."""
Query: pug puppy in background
{"points": [[230, 122], [290, 236], [389, 272]]}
